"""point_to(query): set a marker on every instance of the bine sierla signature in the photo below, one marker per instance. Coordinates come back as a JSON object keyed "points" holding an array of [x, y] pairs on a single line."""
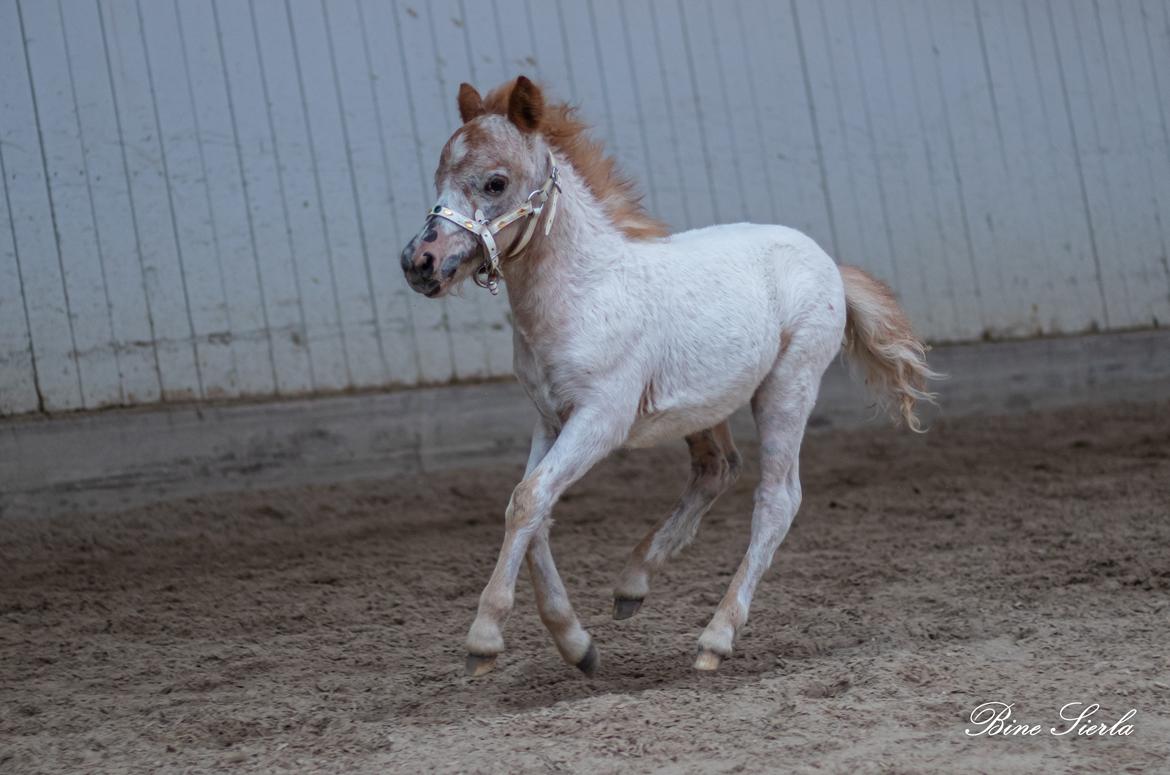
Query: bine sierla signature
{"points": [[1077, 719]]}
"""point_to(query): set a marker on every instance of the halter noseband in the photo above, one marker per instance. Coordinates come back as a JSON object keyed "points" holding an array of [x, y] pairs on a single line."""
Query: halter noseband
{"points": [[488, 273]]}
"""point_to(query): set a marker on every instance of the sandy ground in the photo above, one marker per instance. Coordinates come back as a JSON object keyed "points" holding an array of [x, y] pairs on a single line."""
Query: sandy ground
{"points": [[1023, 560]]}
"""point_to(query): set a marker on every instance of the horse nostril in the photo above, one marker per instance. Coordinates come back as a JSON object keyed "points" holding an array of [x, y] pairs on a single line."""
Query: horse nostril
{"points": [[428, 265]]}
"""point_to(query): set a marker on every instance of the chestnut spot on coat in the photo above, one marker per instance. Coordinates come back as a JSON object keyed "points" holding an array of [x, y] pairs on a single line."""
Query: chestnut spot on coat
{"points": [[431, 236]]}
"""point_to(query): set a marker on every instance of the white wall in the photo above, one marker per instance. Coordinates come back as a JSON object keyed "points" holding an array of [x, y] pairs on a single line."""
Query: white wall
{"points": [[207, 200]]}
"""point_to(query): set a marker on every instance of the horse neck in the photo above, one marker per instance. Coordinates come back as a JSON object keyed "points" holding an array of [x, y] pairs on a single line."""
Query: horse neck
{"points": [[543, 282]]}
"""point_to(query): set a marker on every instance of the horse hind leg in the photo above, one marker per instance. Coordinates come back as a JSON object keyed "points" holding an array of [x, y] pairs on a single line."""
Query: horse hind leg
{"points": [[781, 406], [715, 465]]}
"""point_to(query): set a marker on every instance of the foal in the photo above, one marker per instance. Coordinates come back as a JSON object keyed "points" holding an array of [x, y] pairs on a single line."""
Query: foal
{"points": [[625, 336]]}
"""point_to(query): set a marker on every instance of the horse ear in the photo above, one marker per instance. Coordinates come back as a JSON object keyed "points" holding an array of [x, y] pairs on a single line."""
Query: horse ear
{"points": [[470, 103], [525, 105]]}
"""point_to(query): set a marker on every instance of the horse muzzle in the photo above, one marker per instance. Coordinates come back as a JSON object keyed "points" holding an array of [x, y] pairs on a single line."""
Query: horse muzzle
{"points": [[432, 263]]}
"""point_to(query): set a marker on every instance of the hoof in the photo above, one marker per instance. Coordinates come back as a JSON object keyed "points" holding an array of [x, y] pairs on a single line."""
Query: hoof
{"points": [[479, 664], [707, 661], [625, 607], [589, 662]]}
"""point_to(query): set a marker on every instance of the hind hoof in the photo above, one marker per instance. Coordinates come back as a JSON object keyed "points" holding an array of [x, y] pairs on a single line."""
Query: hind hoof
{"points": [[625, 607], [707, 661], [479, 664], [589, 662]]}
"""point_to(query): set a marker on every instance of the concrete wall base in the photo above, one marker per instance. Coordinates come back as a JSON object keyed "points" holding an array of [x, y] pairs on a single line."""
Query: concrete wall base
{"points": [[114, 459]]}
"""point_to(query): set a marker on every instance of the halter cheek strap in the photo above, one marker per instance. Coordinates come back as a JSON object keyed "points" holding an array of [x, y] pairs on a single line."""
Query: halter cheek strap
{"points": [[488, 273]]}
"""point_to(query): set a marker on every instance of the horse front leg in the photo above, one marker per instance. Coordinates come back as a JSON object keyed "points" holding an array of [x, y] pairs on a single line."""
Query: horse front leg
{"points": [[715, 465], [552, 599], [587, 437]]}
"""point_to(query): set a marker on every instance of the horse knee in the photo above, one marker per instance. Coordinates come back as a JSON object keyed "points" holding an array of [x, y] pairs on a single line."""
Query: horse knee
{"points": [[524, 503], [715, 471], [710, 478]]}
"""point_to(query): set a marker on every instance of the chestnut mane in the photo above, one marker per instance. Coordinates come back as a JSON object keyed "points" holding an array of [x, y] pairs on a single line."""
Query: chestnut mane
{"points": [[617, 193]]}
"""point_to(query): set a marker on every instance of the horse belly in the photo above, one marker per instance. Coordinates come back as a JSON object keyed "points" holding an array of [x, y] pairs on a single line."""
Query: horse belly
{"points": [[694, 395], [672, 420], [660, 428]]}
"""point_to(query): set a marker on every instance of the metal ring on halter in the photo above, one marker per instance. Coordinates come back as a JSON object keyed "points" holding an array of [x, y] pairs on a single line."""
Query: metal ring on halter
{"points": [[490, 268], [490, 280]]}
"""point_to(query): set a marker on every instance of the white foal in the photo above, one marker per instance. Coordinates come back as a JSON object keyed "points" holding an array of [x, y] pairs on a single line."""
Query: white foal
{"points": [[626, 336]]}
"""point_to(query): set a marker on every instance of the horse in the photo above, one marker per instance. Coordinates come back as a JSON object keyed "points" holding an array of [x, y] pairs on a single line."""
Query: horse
{"points": [[628, 336]]}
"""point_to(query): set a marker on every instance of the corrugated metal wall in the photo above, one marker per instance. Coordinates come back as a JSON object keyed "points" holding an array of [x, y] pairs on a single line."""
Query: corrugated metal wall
{"points": [[207, 199]]}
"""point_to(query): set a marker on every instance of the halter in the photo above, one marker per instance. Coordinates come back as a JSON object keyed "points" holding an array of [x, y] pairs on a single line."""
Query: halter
{"points": [[488, 273]]}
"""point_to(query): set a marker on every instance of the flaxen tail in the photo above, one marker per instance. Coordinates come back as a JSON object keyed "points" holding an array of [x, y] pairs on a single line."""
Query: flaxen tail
{"points": [[878, 338]]}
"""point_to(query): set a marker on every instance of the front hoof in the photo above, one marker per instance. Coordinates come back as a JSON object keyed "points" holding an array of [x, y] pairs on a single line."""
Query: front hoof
{"points": [[589, 663], [625, 607], [479, 664], [707, 661]]}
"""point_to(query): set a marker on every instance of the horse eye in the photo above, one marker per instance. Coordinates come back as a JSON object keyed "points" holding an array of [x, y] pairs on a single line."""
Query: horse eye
{"points": [[496, 184]]}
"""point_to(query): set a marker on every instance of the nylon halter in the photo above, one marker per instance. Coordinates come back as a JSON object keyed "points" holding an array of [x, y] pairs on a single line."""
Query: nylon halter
{"points": [[488, 273]]}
